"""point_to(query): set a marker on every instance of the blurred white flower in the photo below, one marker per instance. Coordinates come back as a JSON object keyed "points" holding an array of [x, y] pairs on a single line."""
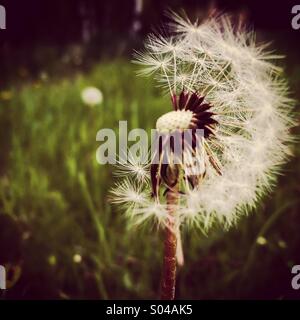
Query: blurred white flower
{"points": [[77, 258], [219, 81], [261, 241], [91, 96]]}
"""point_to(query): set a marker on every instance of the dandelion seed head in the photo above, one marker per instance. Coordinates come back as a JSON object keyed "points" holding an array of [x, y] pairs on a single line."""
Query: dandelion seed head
{"points": [[174, 120], [77, 258], [262, 241], [221, 81], [91, 96]]}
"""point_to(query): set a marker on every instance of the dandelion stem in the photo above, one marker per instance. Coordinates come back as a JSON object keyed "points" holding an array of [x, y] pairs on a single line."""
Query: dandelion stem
{"points": [[170, 247]]}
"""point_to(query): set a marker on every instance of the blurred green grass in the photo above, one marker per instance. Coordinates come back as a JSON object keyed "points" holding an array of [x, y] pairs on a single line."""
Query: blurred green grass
{"points": [[67, 239]]}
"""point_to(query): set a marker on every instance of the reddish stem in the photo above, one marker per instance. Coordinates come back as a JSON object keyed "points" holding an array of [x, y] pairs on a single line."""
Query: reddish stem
{"points": [[170, 244]]}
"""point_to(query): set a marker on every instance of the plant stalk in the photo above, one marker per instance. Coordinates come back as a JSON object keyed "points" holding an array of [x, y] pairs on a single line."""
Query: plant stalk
{"points": [[170, 247]]}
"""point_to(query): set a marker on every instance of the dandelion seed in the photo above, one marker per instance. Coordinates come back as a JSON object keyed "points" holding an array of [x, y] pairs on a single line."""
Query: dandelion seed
{"points": [[128, 194], [135, 167]]}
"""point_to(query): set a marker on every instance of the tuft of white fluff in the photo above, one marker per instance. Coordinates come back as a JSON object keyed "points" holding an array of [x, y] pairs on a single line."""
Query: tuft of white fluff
{"points": [[91, 96], [249, 98]]}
